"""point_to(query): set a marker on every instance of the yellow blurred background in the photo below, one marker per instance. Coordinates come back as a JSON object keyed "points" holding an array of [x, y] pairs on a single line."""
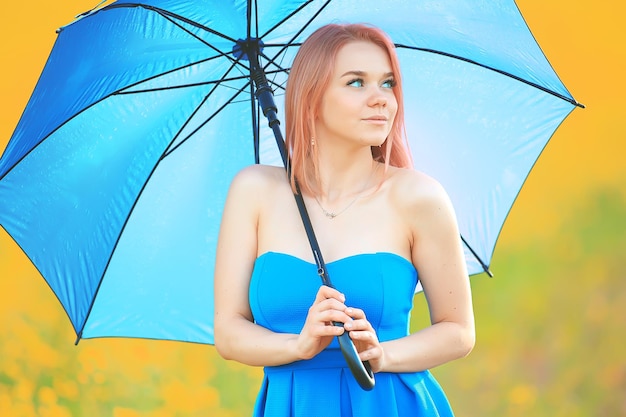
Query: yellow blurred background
{"points": [[516, 368]]}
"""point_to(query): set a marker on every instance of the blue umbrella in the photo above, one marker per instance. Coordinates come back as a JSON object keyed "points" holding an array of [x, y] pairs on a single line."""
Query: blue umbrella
{"points": [[114, 179]]}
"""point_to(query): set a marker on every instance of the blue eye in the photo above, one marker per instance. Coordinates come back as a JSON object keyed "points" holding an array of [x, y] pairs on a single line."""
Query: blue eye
{"points": [[357, 82], [390, 83]]}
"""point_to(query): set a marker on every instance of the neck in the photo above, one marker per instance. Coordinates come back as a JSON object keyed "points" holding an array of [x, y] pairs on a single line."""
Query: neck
{"points": [[340, 180]]}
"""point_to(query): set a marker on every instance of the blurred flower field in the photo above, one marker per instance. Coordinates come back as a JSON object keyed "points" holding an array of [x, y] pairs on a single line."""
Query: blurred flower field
{"points": [[550, 341]]}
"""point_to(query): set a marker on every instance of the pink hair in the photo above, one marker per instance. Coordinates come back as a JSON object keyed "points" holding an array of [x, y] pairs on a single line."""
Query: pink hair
{"points": [[308, 79]]}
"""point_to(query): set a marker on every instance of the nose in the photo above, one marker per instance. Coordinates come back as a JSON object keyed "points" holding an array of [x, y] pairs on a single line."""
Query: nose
{"points": [[378, 101], [378, 98]]}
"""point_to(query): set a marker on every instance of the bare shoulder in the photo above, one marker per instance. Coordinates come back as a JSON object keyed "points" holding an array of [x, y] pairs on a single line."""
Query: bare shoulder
{"points": [[258, 180], [259, 176], [414, 190], [250, 187], [425, 210]]}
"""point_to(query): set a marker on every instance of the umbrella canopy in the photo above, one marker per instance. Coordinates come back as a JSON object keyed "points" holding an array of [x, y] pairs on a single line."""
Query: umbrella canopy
{"points": [[115, 177]]}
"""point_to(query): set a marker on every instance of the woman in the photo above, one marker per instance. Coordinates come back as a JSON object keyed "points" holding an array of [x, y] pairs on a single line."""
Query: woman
{"points": [[378, 223]]}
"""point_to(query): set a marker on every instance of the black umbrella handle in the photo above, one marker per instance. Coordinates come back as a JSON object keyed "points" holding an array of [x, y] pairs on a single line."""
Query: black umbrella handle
{"points": [[362, 371]]}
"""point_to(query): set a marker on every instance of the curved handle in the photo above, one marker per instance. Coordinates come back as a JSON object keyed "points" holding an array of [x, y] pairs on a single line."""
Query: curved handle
{"points": [[361, 370]]}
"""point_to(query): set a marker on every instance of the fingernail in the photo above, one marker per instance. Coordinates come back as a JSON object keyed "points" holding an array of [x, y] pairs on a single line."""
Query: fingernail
{"points": [[348, 325], [349, 310]]}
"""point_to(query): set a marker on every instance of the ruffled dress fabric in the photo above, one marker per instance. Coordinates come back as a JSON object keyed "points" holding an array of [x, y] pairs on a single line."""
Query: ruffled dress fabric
{"points": [[282, 289]]}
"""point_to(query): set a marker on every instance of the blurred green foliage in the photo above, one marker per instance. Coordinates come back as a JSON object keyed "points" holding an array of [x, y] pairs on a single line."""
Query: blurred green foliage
{"points": [[551, 325], [549, 330]]}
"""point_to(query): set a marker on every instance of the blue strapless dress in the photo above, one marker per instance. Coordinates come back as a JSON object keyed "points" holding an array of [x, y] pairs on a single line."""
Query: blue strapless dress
{"points": [[282, 288]]}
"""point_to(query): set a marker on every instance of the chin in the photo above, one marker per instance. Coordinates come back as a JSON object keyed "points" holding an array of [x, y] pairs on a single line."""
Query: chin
{"points": [[376, 141]]}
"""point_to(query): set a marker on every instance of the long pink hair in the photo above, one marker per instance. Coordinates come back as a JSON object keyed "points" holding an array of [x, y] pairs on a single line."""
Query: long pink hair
{"points": [[308, 79]]}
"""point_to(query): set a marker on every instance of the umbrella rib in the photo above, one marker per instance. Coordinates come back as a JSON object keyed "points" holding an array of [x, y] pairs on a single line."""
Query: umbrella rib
{"points": [[248, 18], [165, 13], [229, 101], [483, 264], [505, 73], [253, 107], [209, 94], [219, 51], [272, 61], [173, 87], [292, 14], [53, 131], [302, 28], [255, 124], [290, 43], [282, 45], [168, 72]]}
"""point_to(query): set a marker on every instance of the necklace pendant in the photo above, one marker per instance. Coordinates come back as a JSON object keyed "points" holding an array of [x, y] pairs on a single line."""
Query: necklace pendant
{"points": [[330, 215]]}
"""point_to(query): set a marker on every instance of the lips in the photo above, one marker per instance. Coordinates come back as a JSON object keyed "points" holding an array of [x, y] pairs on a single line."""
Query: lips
{"points": [[376, 119]]}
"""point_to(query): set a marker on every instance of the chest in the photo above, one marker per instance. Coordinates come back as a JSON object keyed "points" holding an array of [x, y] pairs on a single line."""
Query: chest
{"points": [[367, 226]]}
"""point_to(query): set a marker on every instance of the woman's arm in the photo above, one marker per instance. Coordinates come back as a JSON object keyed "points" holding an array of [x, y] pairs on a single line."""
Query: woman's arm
{"points": [[438, 256], [237, 337]]}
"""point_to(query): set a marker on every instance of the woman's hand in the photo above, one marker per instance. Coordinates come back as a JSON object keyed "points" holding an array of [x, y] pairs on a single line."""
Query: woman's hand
{"points": [[318, 330], [365, 339]]}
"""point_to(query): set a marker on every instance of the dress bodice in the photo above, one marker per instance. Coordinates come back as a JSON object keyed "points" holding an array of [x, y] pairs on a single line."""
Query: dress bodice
{"points": [[382, 284]]}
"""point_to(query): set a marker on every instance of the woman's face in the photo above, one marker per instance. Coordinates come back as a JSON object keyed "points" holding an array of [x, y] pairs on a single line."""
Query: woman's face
{"points": [[359, 105]]}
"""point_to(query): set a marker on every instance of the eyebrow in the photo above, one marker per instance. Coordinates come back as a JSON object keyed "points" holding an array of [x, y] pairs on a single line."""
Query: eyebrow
{"points": [[362, 73]]}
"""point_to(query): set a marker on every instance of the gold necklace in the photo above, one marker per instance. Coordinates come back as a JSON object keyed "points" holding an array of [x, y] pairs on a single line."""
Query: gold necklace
{"points": [[331, 215]]}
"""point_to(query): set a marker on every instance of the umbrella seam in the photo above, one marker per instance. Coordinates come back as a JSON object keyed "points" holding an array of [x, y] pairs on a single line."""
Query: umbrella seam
{"points": [[570, 100]]}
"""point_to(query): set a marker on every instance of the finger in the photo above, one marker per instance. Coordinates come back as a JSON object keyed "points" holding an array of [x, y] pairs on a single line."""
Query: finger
{"points": [[329, 306], [371, 354], [366, 336], [355, 313], [358, 320], [331, 315], [359, 325], [324, 331], [326, 292]]}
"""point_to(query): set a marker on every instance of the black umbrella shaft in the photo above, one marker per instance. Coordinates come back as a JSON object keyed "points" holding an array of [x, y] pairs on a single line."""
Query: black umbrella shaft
{"points": [[265, 97]]}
